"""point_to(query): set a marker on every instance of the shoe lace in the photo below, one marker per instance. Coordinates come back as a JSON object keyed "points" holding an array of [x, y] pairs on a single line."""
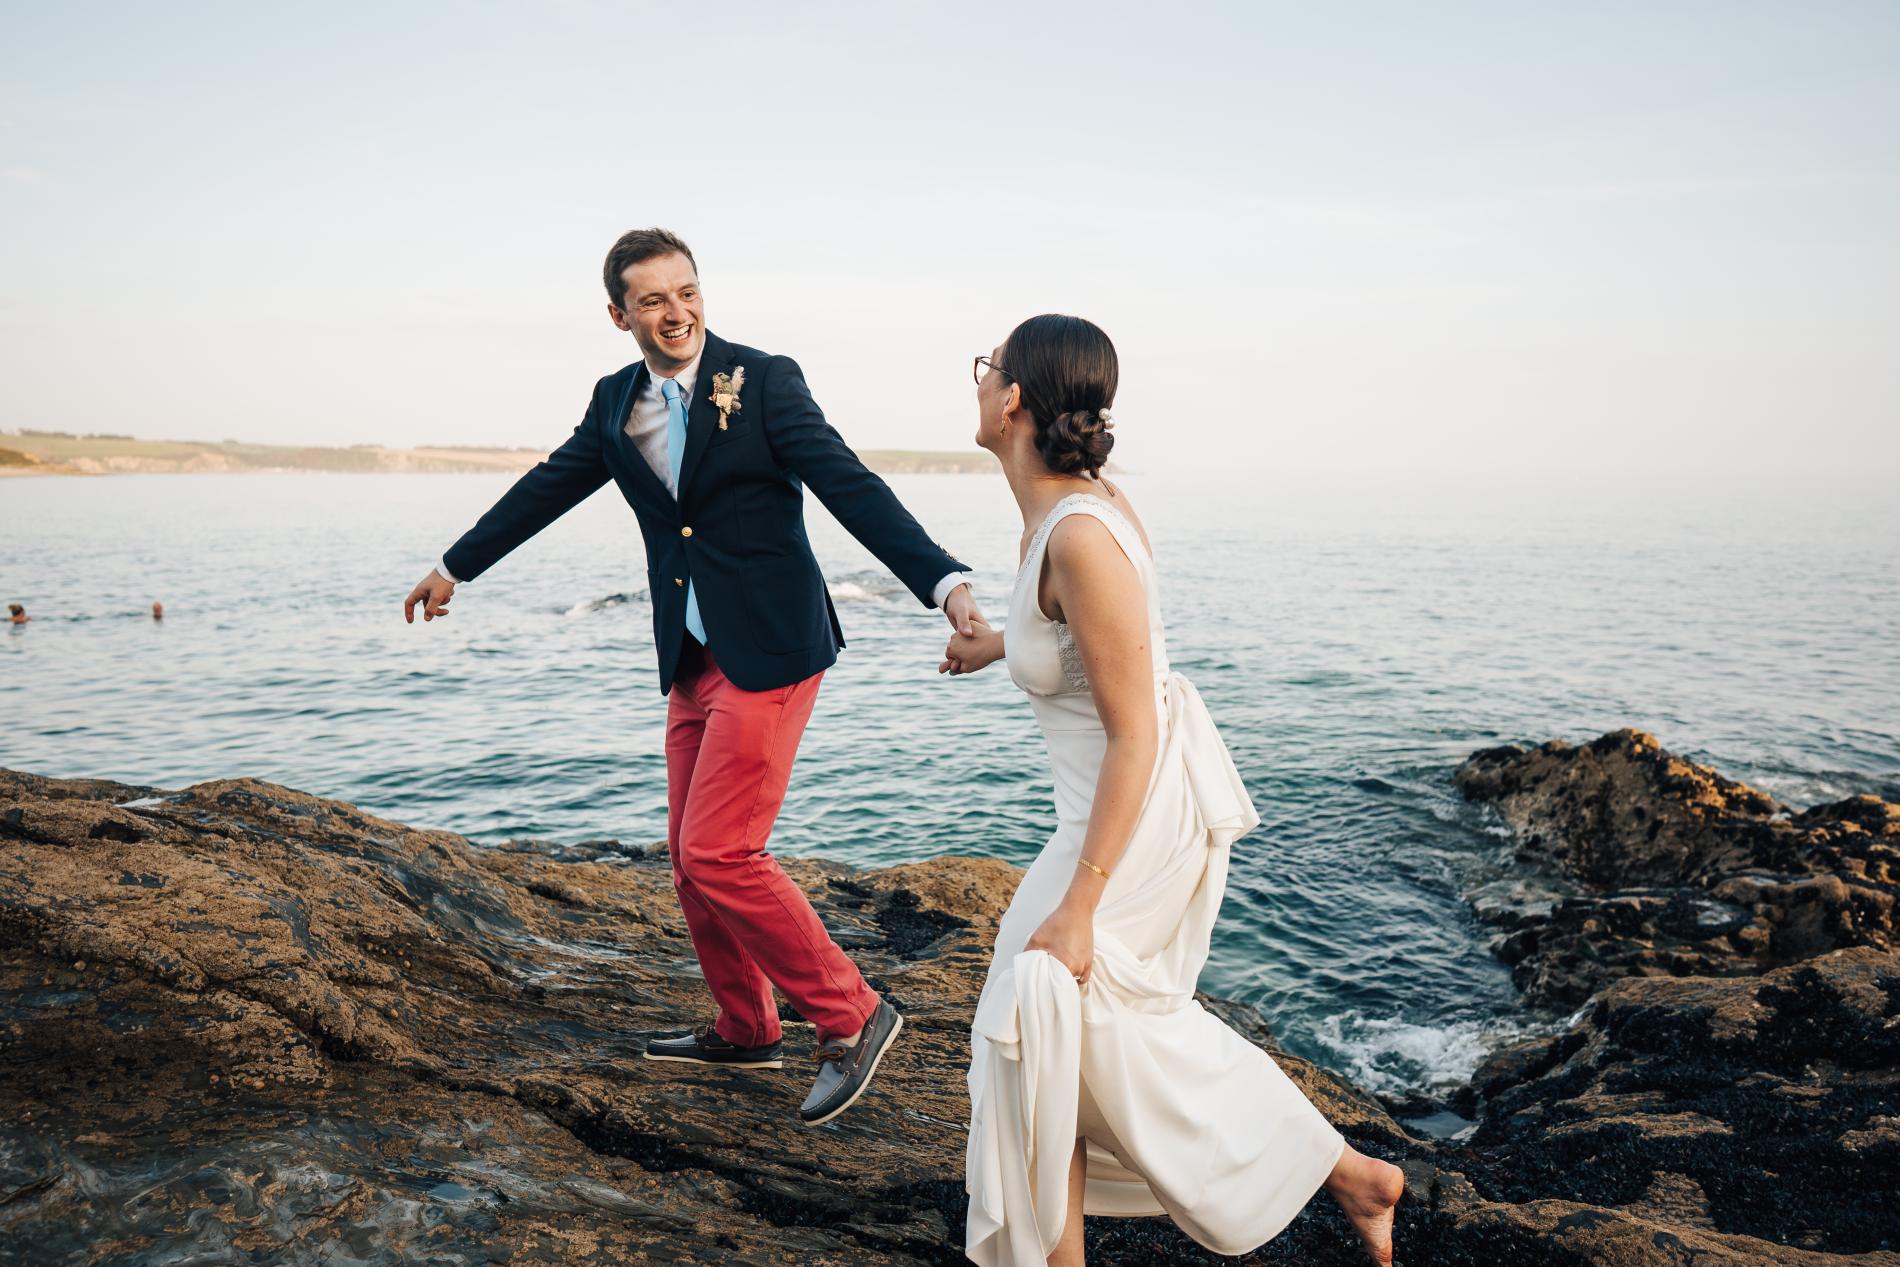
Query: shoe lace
{"points": [[832, 1051]]}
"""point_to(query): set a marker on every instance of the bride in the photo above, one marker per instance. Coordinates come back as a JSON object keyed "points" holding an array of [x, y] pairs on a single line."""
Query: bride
{"points": [[1097, 1084]]}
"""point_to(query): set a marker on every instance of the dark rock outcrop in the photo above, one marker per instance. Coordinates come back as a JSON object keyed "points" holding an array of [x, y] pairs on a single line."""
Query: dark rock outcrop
{"points": [[1767, 1106], [242, 1024], [1737, 1064], [1665, 868]]}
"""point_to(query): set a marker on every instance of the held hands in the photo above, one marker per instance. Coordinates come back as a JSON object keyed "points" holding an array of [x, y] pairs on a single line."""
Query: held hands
{"points": [[433, 593], [1069, 935], [966, 654], [970, 645]]}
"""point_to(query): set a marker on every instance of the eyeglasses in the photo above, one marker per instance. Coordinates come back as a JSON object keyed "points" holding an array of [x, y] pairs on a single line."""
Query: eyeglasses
{"points": [[983, 363]]}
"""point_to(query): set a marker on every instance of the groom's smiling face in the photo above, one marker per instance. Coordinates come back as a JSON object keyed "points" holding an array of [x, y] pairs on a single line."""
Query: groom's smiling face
{"points": [[664, 312]]}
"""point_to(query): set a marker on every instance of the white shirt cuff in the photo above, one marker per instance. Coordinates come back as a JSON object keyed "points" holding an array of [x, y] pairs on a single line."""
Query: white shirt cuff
{"points": [[442, 566], [948, 583]]}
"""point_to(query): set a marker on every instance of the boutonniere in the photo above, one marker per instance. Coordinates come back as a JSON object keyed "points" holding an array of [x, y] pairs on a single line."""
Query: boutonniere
{"points": [[725, 393]]}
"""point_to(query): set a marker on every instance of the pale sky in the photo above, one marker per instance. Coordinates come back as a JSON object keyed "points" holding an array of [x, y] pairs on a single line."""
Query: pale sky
{"points": [[1515, 240]]}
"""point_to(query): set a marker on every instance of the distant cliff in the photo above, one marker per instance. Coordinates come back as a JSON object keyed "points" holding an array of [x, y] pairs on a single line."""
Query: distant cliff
{"points": [[58, 453]]}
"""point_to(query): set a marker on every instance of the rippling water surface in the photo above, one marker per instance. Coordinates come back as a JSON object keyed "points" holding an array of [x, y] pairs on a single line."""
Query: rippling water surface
{"points": [[1353, 641]]}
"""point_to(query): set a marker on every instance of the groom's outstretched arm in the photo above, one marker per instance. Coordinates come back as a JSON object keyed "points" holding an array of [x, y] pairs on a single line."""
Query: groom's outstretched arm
{"points": [[554, 486], [809, 447]]}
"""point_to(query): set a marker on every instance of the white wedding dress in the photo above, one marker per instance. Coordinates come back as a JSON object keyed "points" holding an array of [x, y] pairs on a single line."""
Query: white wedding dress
{"points": [[1182, 1115]]}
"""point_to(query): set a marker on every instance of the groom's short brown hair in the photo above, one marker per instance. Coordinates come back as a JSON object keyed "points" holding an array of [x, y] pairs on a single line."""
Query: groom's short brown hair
{"points": [[636, 246]]}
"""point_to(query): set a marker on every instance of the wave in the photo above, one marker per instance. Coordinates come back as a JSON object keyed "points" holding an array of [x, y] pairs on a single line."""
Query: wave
{"points": [[865, 587], [1400, 1057], [861, 589], [602, 604], [1800, 789]]}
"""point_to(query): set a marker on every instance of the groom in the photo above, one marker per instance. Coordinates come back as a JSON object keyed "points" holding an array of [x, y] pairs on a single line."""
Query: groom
{"points": [[711, 443]]}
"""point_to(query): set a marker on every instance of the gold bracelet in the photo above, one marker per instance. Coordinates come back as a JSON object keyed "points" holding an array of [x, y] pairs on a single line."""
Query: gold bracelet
{"points": [[1092, 867]]}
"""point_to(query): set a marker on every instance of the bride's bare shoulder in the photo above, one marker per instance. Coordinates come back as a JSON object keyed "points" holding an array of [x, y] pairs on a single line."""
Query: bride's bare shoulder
{"points": [[1084, 538]]}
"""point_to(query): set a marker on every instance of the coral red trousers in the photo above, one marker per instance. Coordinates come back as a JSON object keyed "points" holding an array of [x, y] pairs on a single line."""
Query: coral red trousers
{"points": [[729, 759]]}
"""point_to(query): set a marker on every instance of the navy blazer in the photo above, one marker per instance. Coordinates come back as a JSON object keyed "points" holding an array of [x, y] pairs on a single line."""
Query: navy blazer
{"points": [[737, 530]]}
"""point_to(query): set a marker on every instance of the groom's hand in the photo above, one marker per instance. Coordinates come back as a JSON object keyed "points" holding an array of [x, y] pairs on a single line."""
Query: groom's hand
{"points": [[433, 593], [963, 612]]}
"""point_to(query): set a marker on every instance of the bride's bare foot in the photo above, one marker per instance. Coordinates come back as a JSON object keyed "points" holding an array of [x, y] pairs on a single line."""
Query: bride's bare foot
{"points": [[1367, 1189]]}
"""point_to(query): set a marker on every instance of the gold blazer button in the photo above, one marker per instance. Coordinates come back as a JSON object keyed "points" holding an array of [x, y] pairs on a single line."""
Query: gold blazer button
{"points": [[678, 581], [686, 532]]}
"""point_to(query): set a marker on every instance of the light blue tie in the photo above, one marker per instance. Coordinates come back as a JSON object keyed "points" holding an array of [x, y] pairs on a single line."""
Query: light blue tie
{"points": [[675, 454]]}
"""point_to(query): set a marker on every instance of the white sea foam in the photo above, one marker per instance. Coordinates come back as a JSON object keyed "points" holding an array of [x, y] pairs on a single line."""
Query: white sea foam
{"points": [[602, 604], [1396, 1056], [1799, 791]]}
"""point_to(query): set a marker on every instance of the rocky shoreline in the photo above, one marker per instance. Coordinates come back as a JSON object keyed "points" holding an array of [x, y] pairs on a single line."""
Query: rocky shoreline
{"points": [[240, 1023]]}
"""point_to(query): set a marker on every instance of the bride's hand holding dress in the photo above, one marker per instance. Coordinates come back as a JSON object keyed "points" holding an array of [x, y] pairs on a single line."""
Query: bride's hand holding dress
{"points": [[1069, 935]]}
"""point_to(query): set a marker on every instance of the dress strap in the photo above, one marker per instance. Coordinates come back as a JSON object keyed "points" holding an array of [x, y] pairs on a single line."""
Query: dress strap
{"points": [[1087, 503]]}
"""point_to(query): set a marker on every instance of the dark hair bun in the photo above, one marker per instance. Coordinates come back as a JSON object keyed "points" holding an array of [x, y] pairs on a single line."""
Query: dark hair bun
{"points": [[1076, 443], [1068, 371]]}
